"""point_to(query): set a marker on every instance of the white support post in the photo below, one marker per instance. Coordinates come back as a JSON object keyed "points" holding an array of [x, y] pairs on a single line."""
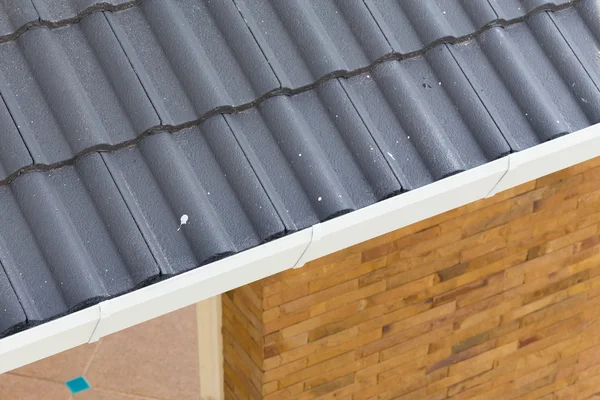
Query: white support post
{"points": [[210, 348]]}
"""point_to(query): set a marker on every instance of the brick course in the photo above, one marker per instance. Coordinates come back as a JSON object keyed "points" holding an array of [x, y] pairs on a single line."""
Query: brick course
{"points": [[498, 299]]}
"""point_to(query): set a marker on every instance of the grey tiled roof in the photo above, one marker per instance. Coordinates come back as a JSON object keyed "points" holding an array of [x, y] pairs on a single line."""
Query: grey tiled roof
{"points": [[17, 16], [255, 118]]}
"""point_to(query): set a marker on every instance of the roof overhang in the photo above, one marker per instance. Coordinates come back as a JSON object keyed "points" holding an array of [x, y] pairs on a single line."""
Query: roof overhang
{"points": [[296, 249]]}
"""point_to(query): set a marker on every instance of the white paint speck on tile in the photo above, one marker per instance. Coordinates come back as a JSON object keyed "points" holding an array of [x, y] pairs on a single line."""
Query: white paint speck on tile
{"points": [[183, 220]]}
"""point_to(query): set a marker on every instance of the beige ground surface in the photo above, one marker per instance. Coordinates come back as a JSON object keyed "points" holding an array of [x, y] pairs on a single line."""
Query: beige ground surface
{"points": [[156, 360]]}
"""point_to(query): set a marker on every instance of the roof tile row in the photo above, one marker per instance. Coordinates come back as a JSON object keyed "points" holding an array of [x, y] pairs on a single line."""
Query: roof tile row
{"points": [[115, 75]]}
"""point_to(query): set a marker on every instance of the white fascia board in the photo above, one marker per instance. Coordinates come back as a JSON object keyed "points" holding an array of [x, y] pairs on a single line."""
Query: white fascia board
{"points": [[550, 157], [48, 339]]}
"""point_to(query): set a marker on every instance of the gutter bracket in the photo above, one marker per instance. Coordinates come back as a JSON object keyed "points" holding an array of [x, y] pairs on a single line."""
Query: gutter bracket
{"points": [[316, 234]]}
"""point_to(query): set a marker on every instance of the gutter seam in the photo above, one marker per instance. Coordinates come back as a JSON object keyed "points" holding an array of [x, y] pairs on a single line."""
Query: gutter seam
{"points": [[500, 179], [314, 237]]}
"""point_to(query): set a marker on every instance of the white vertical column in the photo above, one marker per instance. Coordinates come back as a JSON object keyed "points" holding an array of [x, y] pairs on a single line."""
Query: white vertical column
{"points": [[210, 348]]}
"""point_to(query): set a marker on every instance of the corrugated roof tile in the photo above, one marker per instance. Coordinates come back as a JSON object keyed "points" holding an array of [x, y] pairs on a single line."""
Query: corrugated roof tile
{"points": [[12, 316], [510, 9], [203, 174], [71, 89], [305, 40], [521, 78], [76, 237], [410, 25], [424, 113], [314, 155], [13, 153], [193, 57], [580, 27]]}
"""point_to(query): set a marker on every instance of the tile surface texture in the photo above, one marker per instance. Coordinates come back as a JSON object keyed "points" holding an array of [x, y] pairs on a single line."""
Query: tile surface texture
{"points": [[255, 118]]}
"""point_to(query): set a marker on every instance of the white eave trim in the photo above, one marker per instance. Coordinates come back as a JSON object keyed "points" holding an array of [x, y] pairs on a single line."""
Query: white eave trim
{"points": [[296, 249]]}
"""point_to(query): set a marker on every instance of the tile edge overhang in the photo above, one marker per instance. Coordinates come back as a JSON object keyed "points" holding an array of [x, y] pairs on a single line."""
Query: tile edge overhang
{"points": [[294, 250]]}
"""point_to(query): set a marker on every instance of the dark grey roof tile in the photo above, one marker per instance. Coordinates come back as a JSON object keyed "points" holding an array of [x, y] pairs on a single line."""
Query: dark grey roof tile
{"points": [[74, 233], [12, 316], [425, 115], [511, 9], [193, 56], [314, 155], [60, 10], [524, 81], [71, 89], [201, 174], [305, 40], [14, 14], [580, 27], [410, 25], [13, 153]]}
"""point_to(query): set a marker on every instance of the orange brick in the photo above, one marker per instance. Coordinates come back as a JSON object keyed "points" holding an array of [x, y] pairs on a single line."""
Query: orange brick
{"points": [[290, 392], [411, 269], [483, 249], [308, 323], [371, 312], [393, 340], [424, 247], [410, 382], [349, 296], [285, 296], [406, 289], [278, 345], [498, 219], [285, 370], [355, 388], [425, 339], [561, 179], [345, 275], [320, 345], [326, 388], [317, 370], [306, 302], [434, 315], [340, 370], [402, 243], [350, 344]]}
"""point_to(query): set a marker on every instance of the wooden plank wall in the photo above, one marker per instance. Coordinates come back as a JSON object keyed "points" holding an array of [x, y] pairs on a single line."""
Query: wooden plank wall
{"points": [[499, 299]]}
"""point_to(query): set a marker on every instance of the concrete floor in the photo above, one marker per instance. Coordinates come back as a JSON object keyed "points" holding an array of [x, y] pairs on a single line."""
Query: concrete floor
{"points": [[156, 360]]}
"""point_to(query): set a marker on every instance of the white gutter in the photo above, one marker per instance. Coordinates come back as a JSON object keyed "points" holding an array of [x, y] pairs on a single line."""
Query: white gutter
{"points": [[296, 249]]}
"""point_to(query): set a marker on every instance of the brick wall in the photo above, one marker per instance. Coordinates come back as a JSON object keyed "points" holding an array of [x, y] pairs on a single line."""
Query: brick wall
{"points": [[498, 299]]}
